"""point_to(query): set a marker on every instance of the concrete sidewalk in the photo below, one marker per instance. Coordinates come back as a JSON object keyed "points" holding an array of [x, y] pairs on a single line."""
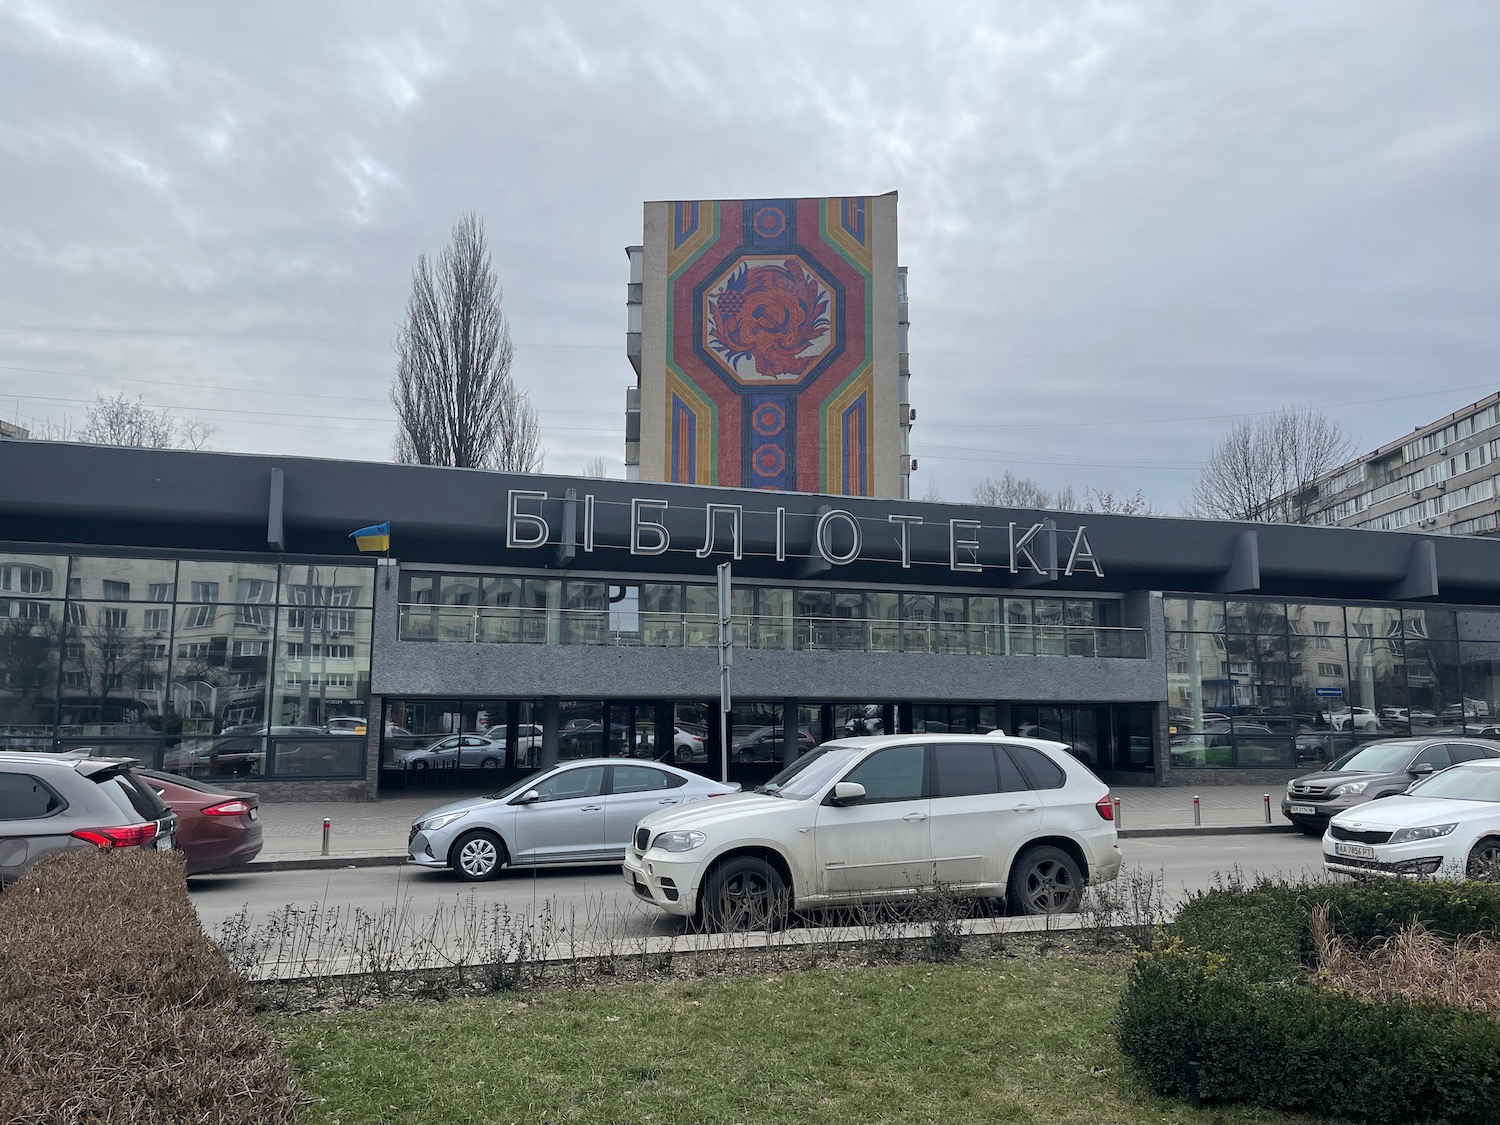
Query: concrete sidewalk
{"points": [[375, 832]]}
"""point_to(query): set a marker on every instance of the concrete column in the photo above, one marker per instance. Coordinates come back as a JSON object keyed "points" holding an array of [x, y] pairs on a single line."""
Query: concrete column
{"points": [[790, 728], [904, 720], [513, 733], [551, 721]]}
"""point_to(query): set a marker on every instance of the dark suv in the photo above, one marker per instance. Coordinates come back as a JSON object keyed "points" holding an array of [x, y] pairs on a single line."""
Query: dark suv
{"points": [[55, 802], [1376, 769]]}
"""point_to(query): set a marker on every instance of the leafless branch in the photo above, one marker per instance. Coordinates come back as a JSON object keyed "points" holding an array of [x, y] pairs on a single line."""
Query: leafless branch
{"points": [[1264, 468], [456, 402]]}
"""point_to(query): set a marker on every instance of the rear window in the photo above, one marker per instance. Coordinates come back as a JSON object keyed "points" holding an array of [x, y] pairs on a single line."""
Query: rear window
{"points": [[1040, 770], [23, 797], [126, 793]]}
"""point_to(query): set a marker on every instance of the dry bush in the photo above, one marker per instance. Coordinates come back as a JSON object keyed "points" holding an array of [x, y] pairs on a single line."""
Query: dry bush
{"points": [[116, 1009], [1414, 964]]}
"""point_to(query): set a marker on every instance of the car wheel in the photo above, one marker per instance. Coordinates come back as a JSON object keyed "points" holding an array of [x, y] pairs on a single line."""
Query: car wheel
{"points": [[477, 855], [1484, 862], [490, 764], [745, 894], [1045, 880], [419, 764]]}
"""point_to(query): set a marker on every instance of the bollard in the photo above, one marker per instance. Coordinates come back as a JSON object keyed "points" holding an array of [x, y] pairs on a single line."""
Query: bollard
{"points": [[327, 826], [1117, 814], [1197, 813], [1267, 799]]}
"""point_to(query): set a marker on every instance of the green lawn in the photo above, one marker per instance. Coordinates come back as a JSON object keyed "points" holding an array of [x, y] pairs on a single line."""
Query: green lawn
{"points": [[1024, 1040]]}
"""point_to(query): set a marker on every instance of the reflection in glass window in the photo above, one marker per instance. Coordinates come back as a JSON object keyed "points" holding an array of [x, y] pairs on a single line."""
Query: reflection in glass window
{"points": [[890, 775]]}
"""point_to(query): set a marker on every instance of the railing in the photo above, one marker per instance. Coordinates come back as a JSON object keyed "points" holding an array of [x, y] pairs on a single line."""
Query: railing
{"points": [[493, 625]]}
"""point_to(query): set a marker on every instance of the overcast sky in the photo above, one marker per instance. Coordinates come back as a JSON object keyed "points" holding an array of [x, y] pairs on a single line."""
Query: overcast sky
{"points": [[1125, 223]]}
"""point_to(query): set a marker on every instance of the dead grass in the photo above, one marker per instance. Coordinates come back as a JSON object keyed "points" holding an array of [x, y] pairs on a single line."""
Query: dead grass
{"points": [[1414, 964]]}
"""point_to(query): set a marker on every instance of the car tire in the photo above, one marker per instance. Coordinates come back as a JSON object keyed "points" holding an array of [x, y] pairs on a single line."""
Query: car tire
{"points": [[476, 856], [746, 893], [419, 764], [490, 764], [1045, 880], [1483, 863]]}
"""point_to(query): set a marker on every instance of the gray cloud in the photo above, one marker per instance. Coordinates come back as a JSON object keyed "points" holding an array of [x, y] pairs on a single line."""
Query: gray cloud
{"points": [[1156, 215]]}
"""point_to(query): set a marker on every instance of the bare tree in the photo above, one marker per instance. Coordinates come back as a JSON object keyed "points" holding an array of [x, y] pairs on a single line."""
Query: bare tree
{"points": [[456, 403], [122, 420], [595, 468], [1264, 468], [1108, 502], [934, 491], [1011, 491]]}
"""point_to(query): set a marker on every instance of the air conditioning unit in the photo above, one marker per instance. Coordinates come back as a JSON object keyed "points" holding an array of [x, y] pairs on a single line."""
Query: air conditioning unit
{"points": [[1416, 494], [1442, 486]]}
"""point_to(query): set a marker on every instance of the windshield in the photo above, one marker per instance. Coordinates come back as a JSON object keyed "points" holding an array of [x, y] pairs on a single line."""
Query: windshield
{"points": [[1376, 757], [527, 782], [807, 776], [1461, 783]]}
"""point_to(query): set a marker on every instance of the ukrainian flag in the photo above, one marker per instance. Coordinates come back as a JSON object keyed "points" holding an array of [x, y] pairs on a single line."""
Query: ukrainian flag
{"points": [[376, 537]]}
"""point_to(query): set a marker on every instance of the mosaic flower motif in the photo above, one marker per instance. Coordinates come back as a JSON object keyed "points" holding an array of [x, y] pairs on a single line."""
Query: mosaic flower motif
{"points": [[769, 314]]}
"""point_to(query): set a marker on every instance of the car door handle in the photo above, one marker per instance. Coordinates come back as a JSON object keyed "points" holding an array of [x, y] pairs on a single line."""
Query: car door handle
{"points": [[1023, 808], [591, 808], [668, 801], [915, 816]]}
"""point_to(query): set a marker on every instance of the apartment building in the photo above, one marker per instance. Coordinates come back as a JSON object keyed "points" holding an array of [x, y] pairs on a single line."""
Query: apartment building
{"points": [[1439, 479]]}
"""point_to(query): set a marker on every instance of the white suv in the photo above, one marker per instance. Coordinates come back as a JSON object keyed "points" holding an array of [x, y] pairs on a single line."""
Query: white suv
{"points": [[863, 819]]}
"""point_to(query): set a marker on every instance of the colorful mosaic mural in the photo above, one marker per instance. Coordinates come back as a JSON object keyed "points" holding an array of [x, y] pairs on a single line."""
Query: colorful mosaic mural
{"points": [[769, 329]]}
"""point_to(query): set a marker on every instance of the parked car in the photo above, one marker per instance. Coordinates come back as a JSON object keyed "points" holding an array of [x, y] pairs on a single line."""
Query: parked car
{"points": [[580, 812], [299, 750], [456, 751], [1376, 769], [1445, 826], [885, 817], [765, 744], [345, 724], [687, 747], [217, 828], [1356, 718], [59, 802]]}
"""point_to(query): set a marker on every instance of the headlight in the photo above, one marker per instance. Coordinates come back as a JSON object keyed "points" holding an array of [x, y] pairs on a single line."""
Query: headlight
{"points": [[433, 823], [1288, 788], [1349, 788], [679, 841], [1431, 832]]}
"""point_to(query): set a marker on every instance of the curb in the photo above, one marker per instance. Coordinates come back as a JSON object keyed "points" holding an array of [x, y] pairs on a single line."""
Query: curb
{"points": [[335, 862], [1209, 830]]}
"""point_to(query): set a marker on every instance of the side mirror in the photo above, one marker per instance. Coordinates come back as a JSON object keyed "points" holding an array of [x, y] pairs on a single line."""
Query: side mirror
{"points": [[1423, 767], [848, 792], [530, 797]]}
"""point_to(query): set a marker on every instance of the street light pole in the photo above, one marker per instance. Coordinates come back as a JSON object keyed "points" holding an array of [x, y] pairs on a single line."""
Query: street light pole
{"points": [[726, 657]]}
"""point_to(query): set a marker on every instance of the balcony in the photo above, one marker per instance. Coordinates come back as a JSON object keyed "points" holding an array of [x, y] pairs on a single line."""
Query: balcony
{"points": [[639, 629]]}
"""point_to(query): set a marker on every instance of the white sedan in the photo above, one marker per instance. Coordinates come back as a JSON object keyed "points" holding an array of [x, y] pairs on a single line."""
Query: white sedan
{"points": [[1445, 826]]}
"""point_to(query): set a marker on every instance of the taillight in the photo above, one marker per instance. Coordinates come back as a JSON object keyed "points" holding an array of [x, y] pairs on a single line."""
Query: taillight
{"points": [[130, 836], [227, 808], [1105, 807]]}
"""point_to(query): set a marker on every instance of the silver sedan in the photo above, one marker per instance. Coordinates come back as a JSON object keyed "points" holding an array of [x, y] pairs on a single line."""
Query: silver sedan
{"points": [[579, 812]]}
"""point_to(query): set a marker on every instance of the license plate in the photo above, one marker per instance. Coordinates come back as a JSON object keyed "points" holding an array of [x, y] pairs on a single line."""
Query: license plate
{"points": [[1302, 810], [254, 814], [164, 843], [1353, 851]]}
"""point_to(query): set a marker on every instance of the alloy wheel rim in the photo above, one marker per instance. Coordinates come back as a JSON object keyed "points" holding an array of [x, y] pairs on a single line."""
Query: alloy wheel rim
{"points": [[478, 857], [746, 901], [1049, 886], [1484, 864]]}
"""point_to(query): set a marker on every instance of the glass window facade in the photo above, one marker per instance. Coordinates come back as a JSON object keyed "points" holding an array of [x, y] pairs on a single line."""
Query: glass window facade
{"points": [[599, 611], [1267, 683], [209, 667]]}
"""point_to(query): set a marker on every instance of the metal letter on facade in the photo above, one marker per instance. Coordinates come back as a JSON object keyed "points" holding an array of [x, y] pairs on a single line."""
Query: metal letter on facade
{"points": [[639, 526], [970, 545], [1021, 547], [736, 527], [588, 522], [1082, 553], [781, 535], [517, 519], [905, 523], [825, 548]]}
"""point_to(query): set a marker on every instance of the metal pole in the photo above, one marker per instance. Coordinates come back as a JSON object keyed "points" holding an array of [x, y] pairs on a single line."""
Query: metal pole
{"points": [[1266, 798], [1197, 813], [327, 826], [1117, 814], [726, 658]]}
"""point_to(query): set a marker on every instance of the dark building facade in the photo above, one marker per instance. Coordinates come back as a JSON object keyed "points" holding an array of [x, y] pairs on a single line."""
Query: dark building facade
{"points": [[210, 614]]}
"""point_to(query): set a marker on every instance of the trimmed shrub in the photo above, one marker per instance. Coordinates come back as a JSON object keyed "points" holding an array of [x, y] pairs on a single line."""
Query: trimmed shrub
{"points": [[116, 1008], [1222, 1009]]}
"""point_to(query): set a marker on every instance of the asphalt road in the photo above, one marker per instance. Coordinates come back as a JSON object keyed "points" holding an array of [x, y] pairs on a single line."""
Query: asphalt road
{"points": [[595, 898]]}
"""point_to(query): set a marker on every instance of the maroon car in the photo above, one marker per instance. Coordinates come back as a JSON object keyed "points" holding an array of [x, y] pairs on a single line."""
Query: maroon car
{"points": [[217, 828]]}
